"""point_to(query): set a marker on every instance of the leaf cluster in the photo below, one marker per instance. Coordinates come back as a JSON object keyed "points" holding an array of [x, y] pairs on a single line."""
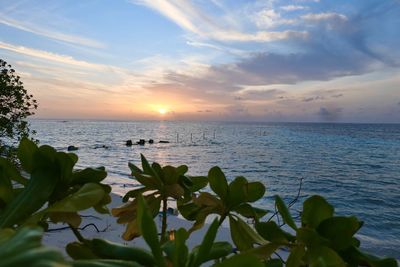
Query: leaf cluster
{"points": [[55, 191]]}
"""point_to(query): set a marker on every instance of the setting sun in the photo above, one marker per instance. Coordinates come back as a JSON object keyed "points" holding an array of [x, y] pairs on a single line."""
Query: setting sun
{"points": [[162, 111]]}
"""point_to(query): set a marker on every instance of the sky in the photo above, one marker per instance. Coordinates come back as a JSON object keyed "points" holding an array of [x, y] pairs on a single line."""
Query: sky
{"points": [[231, 60]]}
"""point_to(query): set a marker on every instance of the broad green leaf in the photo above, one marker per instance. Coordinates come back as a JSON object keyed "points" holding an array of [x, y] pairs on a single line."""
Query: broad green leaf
{"points": [[11, 172], [88, 175], [23, 248], [272, 232], [283, 210], [72, 218], [237, 192], [198, 182], [149, 181], [189, 211], [264, 251], [6, 188], [274, 263], [241, 260], [206, 244], [310, 237], [79, 251], [339, 230], [243, 236], [255, 191], [170, 175], [296, 256], [315, 210], [182, 169], [146, 166], [87, 196], [134, 169], [26, 150], [110, 250], [149, 231], [134, 193], [246, 210], [321, 256], [104, 263], [218, 182], [44, 178], [181, 250]]}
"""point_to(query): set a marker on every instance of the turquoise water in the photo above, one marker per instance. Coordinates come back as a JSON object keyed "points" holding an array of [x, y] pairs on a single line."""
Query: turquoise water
{"points": [[355, 166]]}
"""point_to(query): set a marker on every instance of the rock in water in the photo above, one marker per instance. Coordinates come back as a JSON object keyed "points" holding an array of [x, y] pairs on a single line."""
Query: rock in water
{"points": [[72, 148], [128, 143]]}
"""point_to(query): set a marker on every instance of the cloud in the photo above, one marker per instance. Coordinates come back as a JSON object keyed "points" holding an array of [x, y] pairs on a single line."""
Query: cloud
{"points": [[309, 99], [294, 7], [63, 59], [193, 19], [329, 114], [327, 16], [337, 95], [55, 35], [268, 18]]}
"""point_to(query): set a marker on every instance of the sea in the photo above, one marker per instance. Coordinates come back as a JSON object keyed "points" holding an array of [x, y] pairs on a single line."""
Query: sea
{"points": [[356, 167]]}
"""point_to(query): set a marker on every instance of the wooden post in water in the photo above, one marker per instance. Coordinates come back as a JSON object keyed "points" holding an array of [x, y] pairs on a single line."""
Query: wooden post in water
{"points": [[191, 137], [177, 137], [204, 135], [214, 134]]}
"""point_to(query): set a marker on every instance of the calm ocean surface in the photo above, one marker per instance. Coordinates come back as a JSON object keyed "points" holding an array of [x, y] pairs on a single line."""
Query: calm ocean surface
{"points": [[355, 166]]}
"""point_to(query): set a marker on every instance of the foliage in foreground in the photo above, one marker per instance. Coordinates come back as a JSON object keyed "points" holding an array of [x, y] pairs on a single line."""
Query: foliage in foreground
{"points": [[55, 192], [16, 105]]}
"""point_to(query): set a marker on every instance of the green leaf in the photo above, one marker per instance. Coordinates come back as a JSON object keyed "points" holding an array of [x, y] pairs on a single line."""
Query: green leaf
{"points": [[339, 230], [134, 193], [295, 258], [264, 251], [89, 175], [246, 210], [110, 250], [6, 188], [79, 251], [283, 210], [310, 237], [243, 236], [134, 169], [218, 182], [237, 192], [181, 250], [104, 263], [198, 182], [86, 197], [315, 210], [149, 231], [206, 244], [255, 191], [274, 263], [44, 178], [272, 232], [241, 260], [321, 256], [23, 248], [170, 175], [26, 150]]}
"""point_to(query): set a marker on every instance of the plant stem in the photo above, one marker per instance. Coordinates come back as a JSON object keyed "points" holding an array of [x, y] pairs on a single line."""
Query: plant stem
{"points": [[221, 219], [77, 234], [164, 221]]}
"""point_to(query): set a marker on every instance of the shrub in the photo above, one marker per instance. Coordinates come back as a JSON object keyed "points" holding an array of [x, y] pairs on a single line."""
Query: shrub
{"points": [[56, 193], [16, 106]]}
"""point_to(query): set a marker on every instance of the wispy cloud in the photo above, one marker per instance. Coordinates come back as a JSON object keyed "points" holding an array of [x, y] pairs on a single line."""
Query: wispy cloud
{"points": [[55, 35], [294, 7], [63, 59], [324, 16], [193, 19]]}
